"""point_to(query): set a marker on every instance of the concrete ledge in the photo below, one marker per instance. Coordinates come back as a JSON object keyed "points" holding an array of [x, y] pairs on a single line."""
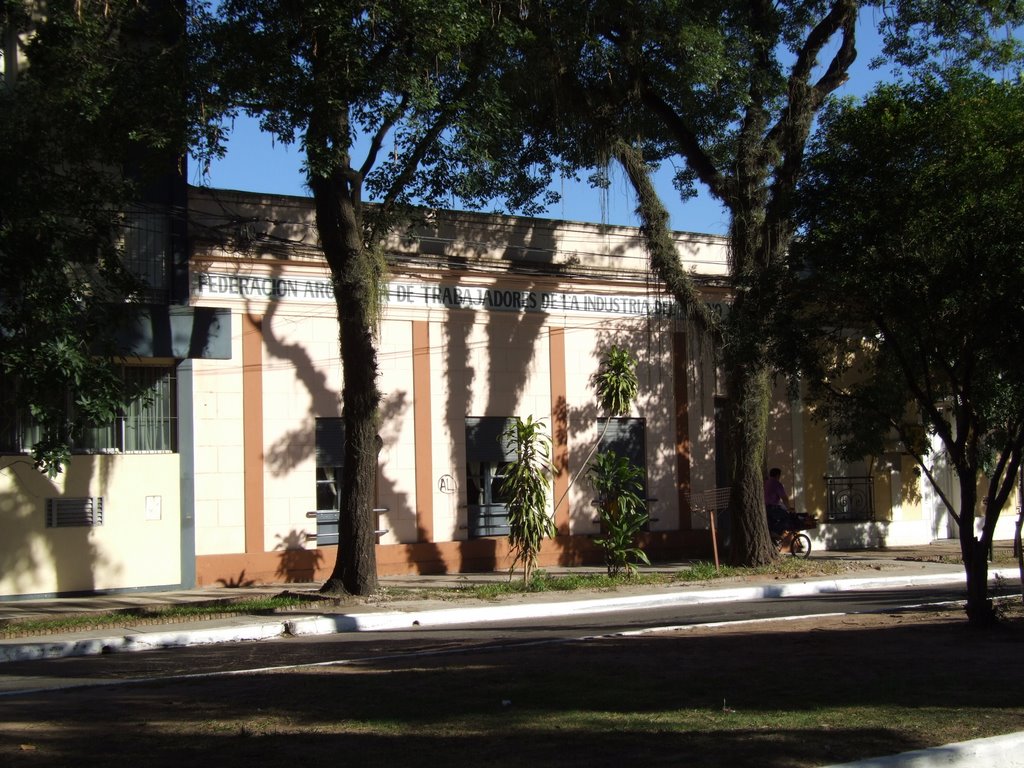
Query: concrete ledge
{"points": [[139, 641], [248, 629], [994, 752]]}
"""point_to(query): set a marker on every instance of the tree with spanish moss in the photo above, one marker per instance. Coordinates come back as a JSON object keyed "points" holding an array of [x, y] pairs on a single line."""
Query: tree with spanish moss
{"points": [[728, 92]]}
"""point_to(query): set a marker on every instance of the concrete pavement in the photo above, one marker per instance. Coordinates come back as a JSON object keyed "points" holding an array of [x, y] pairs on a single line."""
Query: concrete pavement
{"points": [[871, 569], [861, 570]]}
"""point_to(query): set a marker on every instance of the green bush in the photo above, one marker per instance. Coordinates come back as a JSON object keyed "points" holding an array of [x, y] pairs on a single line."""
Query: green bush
{"points": [[622, 510]]}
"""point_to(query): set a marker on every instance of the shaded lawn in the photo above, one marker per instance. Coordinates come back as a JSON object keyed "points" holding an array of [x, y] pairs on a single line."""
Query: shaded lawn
{"points": [[797, 693]]}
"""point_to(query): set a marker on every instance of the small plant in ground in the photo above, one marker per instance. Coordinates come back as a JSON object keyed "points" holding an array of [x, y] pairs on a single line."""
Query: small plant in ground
{"points": [[705, 571], [525, 490], [622, 510]]}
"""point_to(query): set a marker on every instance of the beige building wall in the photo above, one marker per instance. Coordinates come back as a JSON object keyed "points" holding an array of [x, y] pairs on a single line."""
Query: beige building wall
{"points": [[137, 545], [219, 488], [396, 480], [488, 364], [301, 380]]}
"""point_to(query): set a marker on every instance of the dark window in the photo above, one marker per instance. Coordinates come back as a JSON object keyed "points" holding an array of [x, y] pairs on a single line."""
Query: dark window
{"points": [[487, 459], [330, 459], [147, 247], [627, 437]]}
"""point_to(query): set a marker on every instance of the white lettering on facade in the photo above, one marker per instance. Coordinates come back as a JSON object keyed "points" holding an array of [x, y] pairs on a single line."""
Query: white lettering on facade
{"points": [[494, 299]]}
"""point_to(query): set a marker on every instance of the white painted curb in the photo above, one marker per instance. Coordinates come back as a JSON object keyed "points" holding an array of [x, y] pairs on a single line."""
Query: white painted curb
{"points": [[996, 752], [319, 625], [18, 650], [142, 641]]}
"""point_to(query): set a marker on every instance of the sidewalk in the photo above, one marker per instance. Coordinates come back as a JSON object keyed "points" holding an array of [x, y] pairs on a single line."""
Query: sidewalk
{"points": [[867, 569]]}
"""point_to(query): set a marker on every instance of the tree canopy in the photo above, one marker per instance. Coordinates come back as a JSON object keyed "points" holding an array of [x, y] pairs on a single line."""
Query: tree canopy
{"points": [[912, 285], [727, 92], [399, 101], [91, 117]]}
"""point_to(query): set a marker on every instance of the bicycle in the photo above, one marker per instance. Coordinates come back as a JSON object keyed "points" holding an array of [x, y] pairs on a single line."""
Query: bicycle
{"points": [[793, 538]]}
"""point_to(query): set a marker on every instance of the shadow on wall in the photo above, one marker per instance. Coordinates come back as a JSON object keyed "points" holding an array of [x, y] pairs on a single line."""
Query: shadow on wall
{"points": [[295, 563], [650, 341], [297, 445], [34, 558], [862, 535], [508, 351], [479, 555], [426, 557]]}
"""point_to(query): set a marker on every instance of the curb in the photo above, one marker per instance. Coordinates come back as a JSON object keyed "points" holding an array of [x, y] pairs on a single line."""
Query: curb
{"points": [[1005, 751], [143, 641], [367, 622]]}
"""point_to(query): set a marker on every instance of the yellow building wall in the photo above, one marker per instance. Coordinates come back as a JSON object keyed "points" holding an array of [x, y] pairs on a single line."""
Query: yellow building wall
{"points": [[137, 545]]}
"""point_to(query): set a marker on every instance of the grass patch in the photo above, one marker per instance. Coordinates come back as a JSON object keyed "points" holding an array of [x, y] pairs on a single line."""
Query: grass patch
{"points": [[796, 694], [786, 567], [544, 582]]}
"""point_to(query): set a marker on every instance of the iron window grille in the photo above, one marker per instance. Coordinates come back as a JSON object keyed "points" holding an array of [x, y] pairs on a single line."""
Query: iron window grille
{"points": [[850, 499], [148, 424]]}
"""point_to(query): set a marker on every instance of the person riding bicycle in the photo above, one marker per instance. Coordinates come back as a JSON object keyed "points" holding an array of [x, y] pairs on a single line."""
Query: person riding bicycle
{"points": [[776, 503]]}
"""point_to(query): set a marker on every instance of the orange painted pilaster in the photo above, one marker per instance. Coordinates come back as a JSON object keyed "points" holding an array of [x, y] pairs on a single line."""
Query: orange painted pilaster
{"points": [[252, 430], [559, 427], [422, 427]]}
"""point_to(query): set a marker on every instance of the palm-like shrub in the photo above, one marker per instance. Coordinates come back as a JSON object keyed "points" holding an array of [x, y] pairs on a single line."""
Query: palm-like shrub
{"points": [[525, 489], [616, 382]]}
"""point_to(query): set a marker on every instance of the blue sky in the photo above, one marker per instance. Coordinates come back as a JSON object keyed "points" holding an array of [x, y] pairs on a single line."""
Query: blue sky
{"points": [[256, 163]]}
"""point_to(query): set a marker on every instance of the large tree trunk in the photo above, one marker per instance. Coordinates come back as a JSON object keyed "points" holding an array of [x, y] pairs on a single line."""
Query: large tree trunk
{"points": [[355, 286], [749, 402], [747, 367], [974, 552]]}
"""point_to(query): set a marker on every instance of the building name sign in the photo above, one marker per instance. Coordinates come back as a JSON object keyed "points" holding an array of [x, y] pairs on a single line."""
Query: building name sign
{"points": [[209, 285]]}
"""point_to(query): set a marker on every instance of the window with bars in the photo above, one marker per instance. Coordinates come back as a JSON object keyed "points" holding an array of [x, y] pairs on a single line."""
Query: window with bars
{"points": [[148, 424], [330, 460], [627, 437], [147, 248], [487, 461]]}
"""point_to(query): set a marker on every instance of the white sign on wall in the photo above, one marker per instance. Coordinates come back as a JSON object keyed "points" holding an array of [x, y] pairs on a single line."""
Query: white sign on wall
{"points": [[492, 299]]}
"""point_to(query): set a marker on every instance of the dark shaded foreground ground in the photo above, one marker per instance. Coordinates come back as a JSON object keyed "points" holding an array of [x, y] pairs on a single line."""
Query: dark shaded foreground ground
{"points": [[793, 693]]}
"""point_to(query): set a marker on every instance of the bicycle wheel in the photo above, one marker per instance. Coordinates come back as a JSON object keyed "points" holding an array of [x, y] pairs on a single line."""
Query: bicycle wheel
{"points": [[801, 545]]}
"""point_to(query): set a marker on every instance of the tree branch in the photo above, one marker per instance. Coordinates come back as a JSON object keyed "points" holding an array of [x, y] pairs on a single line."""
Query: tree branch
{"points": [[661, 246], [378, 138], [790, 132]]}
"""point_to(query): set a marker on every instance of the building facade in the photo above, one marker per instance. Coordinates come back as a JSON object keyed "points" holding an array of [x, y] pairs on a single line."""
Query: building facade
{"points": [[484, 318], [228, 473]]}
